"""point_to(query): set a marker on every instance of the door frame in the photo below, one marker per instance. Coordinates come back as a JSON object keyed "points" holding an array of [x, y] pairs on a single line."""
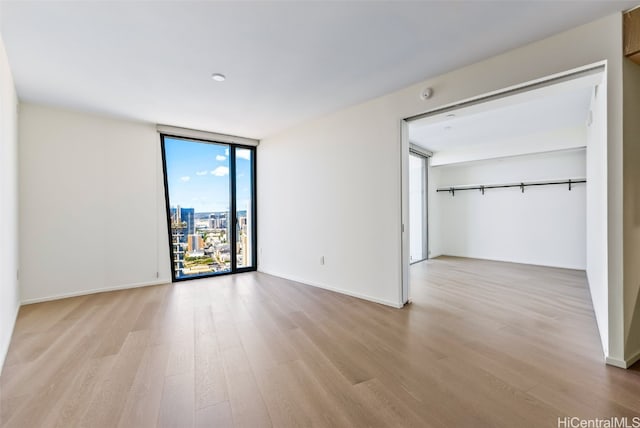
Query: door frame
{"points": [[598, 68]]}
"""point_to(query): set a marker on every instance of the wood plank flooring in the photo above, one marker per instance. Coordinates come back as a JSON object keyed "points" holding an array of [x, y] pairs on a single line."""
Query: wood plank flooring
{"points": [[483, 344]]}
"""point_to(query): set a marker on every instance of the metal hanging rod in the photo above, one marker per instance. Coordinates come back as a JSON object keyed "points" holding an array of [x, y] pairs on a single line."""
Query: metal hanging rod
{"points": [[453, 189]]}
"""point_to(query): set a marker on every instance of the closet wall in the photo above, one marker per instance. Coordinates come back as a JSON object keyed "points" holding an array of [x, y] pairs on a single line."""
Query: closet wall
{"points": [[545, 225]]}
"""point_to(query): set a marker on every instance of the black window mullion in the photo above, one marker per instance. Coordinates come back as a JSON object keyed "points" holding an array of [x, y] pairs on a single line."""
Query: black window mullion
{"points": [[172, 256], [254, 209], [233, 216]]}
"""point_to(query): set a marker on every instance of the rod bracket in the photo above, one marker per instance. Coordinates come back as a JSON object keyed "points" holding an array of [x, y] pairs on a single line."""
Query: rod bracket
{"points": [[569, 184], [522, 187]]}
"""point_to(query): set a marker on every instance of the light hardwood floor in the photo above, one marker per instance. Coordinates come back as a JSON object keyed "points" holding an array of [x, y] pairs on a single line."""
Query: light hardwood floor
{"points": [[483, 344]]}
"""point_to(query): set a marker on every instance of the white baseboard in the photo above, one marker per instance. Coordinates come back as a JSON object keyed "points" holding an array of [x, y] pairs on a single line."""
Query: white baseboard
{"points": [[623, 364], [95, 290], [616, 362], [396, 305], [633, 359], [4, 349]]}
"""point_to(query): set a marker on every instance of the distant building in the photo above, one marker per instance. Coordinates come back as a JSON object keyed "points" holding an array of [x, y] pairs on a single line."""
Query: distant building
{"points": [[248, 241], [184, 215], [219, 220], [183, 224], [195, 243]]}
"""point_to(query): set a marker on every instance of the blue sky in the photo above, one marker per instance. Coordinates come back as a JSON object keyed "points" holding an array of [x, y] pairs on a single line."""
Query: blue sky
{"points": [[198, 175]]}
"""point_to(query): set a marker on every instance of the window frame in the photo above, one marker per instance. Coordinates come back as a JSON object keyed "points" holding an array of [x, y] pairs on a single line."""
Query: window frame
{"points": [[233, 215]]}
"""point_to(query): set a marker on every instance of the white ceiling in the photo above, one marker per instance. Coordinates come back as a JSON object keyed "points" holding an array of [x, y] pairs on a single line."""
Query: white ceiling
{"points": [[544, 110], [285, 61]]}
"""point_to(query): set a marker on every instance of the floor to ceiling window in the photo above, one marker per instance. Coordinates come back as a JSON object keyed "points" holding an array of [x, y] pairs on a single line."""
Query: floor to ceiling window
{"points": [[210, 196], [418, 242]]}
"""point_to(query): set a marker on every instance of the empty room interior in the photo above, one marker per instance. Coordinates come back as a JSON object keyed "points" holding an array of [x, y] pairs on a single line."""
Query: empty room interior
{"points": [[350, 214]]}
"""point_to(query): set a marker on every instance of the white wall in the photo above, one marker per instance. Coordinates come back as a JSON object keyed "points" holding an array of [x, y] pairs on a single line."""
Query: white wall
{"points": [[332, 186], [331, 189], [631, 82], [597, 211], [91, 204], [9, 292], [434, 214], [545, 225]]}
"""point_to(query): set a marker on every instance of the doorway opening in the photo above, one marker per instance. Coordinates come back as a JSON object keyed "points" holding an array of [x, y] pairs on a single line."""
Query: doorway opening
{"points": [[516, 176]]}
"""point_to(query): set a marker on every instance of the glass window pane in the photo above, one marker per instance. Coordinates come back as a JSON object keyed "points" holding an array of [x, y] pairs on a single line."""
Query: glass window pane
{"points": [[417, 208], [244, 208], [198, 187]]}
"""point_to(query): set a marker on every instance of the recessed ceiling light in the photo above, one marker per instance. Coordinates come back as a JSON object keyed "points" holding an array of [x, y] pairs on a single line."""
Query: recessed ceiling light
{"points": [[218, 77], [450, 116]]}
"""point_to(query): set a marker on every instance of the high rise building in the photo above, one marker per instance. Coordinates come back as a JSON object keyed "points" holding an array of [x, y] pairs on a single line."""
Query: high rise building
{"points": [[184, 215], [248, 259], [195, 243], [218, 220], [182, 225]]}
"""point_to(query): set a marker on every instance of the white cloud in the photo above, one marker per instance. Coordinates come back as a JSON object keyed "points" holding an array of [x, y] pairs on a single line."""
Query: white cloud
{"points": [[226, 152], [220, 157], [220, 171], [243, 153], [185, 178], [202, 172]]}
